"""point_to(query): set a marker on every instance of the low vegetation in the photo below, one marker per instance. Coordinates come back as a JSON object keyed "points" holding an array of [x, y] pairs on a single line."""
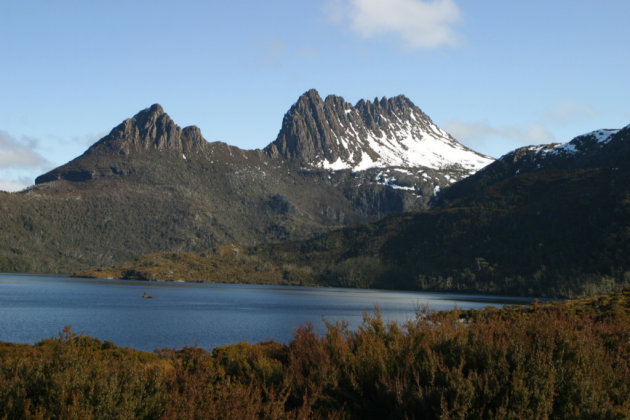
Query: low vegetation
{"points": [[553, 360], [541, 234], [225, 264]]}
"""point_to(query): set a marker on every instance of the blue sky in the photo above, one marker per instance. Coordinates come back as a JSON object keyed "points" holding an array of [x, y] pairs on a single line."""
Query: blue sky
{"points": [[496, 74]]}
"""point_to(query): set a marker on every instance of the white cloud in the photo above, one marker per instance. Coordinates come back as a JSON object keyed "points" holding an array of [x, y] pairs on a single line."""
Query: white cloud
{"points": [[419, 23], [19, 153], [19, 161], [569, 112], [12, 186], [495, 141]]}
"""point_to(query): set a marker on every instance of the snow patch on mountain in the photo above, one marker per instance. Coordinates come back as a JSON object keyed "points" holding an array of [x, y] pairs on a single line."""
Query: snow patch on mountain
{"points": [[581, 143], [406, 145], [383, 134], [603, 136], [564, 148]]}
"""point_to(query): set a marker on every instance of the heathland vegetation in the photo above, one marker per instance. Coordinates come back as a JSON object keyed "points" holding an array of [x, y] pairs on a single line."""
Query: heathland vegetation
{"points": [[544, 233], [552, 360]]}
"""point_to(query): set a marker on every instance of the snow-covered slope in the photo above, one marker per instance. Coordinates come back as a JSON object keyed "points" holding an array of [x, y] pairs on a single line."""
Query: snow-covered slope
{"points": [[333, 134], [405, 143], [584, 150], [605, 149], [581, 144]]}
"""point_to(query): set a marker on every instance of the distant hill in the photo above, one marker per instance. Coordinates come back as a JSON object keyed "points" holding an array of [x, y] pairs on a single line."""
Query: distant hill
{"points": [[151, 186], [549, 220]]}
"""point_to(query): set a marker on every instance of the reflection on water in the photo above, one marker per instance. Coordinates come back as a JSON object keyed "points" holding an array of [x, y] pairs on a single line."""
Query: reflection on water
{"points": [[208, 315]]}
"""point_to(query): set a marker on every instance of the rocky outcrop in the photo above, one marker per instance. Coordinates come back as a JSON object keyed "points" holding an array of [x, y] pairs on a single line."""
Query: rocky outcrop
{"points": [[149, 130], [311, 130], [333, 134]]}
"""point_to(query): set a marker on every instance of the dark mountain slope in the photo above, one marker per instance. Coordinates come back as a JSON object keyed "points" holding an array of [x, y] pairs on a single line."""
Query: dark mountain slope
{"points": [[553, 235], [152, 186], [526, 225], [557, 227], [601, 148], [179, 204]]}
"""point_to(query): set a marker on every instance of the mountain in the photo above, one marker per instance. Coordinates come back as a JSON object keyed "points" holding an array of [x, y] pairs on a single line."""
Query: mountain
{"points": [[151, 186], [149, 130], [548, 220], [389, 133], [390, 140], [332, 134], [600, 148]]}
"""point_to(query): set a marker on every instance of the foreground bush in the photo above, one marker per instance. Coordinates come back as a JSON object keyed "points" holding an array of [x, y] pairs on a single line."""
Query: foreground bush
{"points": [[567, 360]]}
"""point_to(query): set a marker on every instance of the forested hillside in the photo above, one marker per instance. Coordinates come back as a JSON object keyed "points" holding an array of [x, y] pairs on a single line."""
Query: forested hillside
{"points": [[530, 224]]}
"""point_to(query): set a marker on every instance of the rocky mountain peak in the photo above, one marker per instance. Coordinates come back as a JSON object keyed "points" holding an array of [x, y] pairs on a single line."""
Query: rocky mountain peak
{"points": [[309, 129], [333, 134], [310, 97], [151, 128], [398, 105]]}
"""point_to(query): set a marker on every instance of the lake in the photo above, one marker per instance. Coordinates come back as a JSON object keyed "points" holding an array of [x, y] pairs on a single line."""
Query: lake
{"points": [[33, 307]]}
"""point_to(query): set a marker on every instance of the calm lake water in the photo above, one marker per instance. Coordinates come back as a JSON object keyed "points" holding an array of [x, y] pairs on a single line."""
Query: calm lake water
{"points": [[33, 307]]}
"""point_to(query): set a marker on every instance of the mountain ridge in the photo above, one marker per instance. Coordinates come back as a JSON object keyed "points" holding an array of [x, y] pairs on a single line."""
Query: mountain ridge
{"points": [[315, 130], [330, 133], [150, 128], [603, 147], [556, 227], [315, 134], [151, 186]]}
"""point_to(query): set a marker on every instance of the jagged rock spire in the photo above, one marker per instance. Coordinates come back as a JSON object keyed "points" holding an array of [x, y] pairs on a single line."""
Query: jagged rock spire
{"points": [[310, 129], [151, 128], [333, 134]]}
